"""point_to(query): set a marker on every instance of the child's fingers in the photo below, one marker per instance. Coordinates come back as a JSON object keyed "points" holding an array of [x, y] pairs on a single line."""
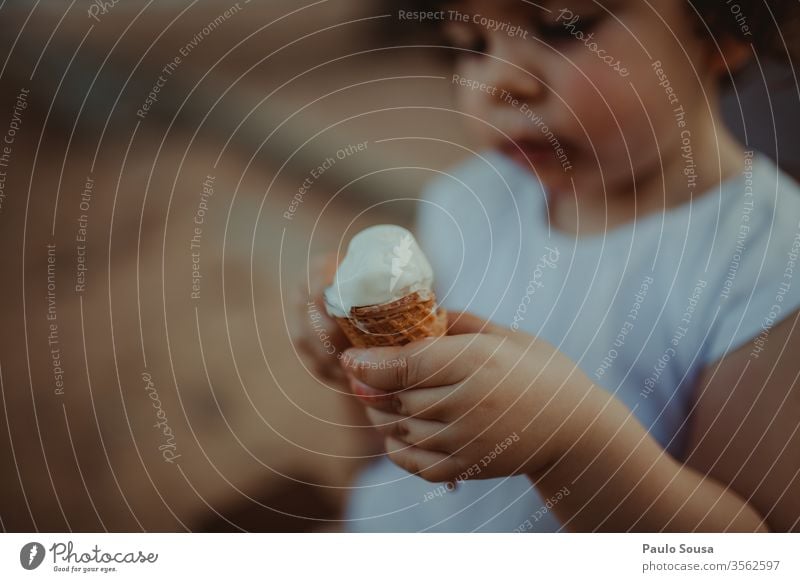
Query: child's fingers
{"points": [[321, 363], [426, 434], [432, 362], [430, 465], [463, 322], [429, 404], [322, 270], [314, 334]]}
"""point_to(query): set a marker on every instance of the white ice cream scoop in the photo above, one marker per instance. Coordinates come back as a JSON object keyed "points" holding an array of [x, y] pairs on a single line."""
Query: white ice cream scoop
{"points": [[383, 264]]}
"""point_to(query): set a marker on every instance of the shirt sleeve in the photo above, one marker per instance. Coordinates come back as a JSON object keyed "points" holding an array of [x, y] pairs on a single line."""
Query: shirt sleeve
{"points": [[760, 283]]}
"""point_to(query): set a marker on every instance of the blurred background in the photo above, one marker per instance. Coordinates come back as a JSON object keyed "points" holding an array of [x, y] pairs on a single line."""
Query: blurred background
{"points": [[164, 188]]}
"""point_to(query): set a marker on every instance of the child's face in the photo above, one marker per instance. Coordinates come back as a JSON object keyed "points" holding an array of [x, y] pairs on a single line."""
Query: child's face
{"points": [[587, 75]]}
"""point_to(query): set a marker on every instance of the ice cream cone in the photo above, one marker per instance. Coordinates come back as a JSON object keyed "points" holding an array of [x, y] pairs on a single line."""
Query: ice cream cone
{"points": [[410, 318], [382, 294]]}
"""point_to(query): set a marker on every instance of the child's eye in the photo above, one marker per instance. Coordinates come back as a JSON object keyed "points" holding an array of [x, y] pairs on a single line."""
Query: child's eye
{"points": [[461, 35], [562, 31]]}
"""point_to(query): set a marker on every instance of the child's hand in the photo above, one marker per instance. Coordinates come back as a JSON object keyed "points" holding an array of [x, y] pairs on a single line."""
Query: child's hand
{"points": [[314, 333], [482, 402]]}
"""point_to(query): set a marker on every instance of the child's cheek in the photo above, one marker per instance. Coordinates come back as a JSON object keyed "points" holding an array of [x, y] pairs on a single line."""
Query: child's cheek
{"points": [[608, 110], [470, 102], [607, 121], [588, 94], [476, 104]]}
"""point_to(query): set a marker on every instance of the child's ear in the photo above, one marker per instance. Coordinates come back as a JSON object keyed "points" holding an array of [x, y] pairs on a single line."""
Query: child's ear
{"points": [[732, 55]]}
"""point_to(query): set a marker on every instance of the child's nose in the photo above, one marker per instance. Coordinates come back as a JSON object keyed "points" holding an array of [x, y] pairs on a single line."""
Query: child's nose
{"points": [[509, 68]]}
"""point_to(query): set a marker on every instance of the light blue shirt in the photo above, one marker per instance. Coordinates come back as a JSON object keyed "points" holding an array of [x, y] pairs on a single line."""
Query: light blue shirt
{"points": [[642, 309]]}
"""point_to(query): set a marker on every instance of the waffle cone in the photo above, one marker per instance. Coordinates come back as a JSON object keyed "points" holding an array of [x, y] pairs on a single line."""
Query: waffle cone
{"points": [[408, 319]]}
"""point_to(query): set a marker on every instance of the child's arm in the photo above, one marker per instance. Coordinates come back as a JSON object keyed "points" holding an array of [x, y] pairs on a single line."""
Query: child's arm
{"points": [[746, 428], [487, 402], [619, 479], [745, 437]]}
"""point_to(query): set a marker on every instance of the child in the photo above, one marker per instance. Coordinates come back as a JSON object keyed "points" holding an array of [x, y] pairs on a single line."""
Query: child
{"points": [[623, 284]]}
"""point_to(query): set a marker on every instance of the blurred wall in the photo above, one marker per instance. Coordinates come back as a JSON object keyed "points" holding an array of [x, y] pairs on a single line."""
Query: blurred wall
{"points": [[161, 400]]}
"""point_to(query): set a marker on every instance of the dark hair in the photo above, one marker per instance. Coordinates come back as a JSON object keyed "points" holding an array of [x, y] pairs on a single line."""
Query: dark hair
{"points": [[765, 24]]}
